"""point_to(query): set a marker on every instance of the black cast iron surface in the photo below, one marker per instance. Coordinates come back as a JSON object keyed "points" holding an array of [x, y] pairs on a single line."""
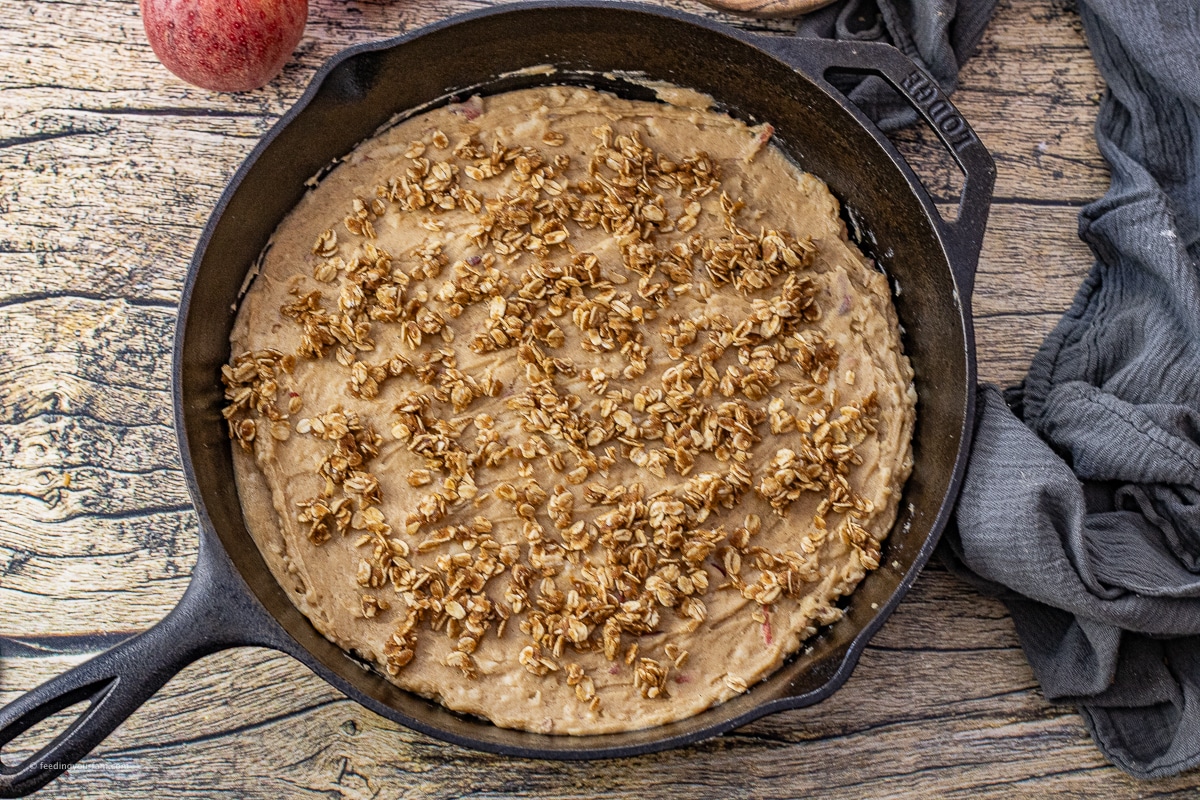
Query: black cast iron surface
{"points": [[233, 599]]}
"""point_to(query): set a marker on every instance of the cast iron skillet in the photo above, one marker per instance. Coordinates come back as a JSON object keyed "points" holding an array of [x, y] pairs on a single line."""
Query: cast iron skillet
{"points": [[233, 599]]}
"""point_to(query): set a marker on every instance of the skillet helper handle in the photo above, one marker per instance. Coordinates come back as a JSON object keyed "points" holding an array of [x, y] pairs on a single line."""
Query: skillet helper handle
{"points": [[212, 616], [963, 236], [114, 683]]}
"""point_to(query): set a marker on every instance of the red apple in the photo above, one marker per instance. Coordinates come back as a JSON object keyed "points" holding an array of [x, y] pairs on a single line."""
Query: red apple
{"points": [[224, 45]]}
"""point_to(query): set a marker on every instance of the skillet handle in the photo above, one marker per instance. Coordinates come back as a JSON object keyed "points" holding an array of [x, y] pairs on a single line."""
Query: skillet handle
{"points": [[212, 615], [963, 237]]}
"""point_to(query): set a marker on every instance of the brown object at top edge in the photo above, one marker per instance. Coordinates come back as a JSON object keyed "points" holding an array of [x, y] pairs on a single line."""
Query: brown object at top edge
{"points": [[769, 8]]}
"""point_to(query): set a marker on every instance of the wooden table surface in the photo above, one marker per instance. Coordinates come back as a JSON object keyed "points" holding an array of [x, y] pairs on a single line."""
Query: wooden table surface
{"points": [[109, 167]]}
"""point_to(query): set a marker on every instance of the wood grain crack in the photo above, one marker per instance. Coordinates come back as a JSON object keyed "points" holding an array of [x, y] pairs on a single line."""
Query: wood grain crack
{"points": [[17, 141], [227, 732], [137, 302]]}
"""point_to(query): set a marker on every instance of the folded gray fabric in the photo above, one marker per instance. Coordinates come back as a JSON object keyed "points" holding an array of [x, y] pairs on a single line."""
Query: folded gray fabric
{"points": [[1085, 518], [938, 34], [1091, 533]]}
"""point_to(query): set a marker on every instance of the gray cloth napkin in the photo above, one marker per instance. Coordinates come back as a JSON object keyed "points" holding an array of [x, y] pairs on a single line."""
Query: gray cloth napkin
{"points": [[1085, 516], [938, 34], [1091, 533]]}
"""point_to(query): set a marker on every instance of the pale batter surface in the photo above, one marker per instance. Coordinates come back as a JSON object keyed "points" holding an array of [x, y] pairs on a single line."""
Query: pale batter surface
{"points": [[575, 413]]}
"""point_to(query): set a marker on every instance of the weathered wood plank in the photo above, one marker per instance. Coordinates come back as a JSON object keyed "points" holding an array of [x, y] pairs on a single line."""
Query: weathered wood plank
{"points": [[1032, 260], [905, 701], [886, 731], [1007, 343], [48, 496], [112, 28], [242, 688], [61, 240], [198, 745], [164, 150], [68, 347], [81, 485], [107, 358]]}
